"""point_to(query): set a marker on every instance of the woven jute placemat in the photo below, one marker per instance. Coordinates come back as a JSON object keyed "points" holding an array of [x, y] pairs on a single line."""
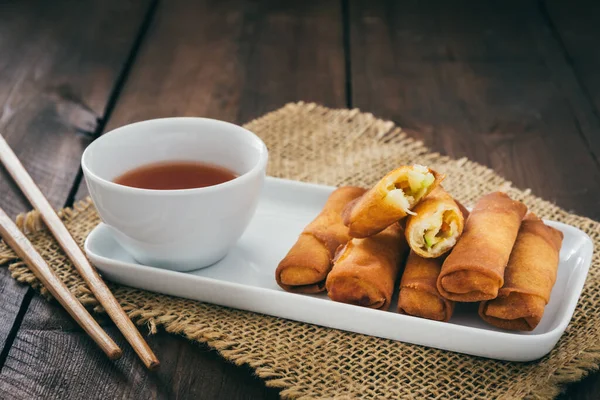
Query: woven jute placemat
{"points": [[311, 143]]}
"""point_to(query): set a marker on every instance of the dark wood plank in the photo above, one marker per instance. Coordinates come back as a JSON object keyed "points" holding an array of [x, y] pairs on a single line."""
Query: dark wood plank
{"points": [[45, 109], [586, 389], [56, 76], [487, 81], [54, 358], [12, 294], [235, 60], [230, 60], [575, 25], [472, 79]]}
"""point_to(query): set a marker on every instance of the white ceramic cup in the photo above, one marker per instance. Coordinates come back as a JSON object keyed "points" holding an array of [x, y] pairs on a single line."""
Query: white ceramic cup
{"points": [[176, 229]]}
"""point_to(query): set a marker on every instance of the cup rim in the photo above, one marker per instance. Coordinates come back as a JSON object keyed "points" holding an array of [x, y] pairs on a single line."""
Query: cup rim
{"points": [[256, 169]]}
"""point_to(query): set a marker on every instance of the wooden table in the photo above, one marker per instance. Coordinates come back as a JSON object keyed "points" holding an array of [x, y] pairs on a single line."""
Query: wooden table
{"points": [[514, 85]]}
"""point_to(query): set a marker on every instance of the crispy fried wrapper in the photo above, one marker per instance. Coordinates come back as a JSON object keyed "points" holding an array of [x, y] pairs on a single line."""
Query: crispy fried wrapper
{"points": [[390, 200], [305, 267], [418, 294], [437, 225], [528, 279], [365, 270], [474, 269]]}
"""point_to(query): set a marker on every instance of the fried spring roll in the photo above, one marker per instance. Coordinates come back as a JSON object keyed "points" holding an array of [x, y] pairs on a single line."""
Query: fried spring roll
{"points": [[391, 199], [437, 225], [418, 294], [365, 270], [305, 267], [528, 279], [474, 269]]}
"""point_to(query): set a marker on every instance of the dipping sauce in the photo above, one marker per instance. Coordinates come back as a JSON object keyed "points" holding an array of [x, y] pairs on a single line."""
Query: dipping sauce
{"points": [[173, 175]]}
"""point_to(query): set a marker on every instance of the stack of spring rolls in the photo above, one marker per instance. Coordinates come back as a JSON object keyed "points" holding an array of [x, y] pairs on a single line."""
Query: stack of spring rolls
{"points": [[407, 228]]}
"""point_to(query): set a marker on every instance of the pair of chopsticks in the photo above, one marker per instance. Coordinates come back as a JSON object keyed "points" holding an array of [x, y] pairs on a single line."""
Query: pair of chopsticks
{"points": [[25, 250]]}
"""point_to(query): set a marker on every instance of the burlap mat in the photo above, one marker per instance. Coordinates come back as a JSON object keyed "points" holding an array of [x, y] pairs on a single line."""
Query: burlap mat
{"points": [[345, 147]]}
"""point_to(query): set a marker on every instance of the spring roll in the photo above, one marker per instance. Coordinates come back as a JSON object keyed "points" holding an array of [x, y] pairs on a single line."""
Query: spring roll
{"points": [[305, 267], [437, 225], [418, 294], [390, 200], [528, 279], [474, 269], [365, 270]]}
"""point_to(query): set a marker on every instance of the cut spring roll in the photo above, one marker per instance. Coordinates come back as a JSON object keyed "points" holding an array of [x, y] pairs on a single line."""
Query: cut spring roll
{"points": [[365, 270], [390, 200], [305, 267], [474, 269], [528, 279], [437, 225], [418, 294]]}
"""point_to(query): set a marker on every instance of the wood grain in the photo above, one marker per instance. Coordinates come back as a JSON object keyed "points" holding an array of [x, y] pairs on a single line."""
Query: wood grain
{"points": [[575, 26], [79, 260], [188, 370], [473, 80], [56, 77], [586, 389], [13, 294], [12, 235], [235, 60]]}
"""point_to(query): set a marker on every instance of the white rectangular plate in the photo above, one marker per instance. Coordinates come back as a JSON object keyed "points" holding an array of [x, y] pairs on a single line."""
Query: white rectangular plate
{"points": [[245, 279]]}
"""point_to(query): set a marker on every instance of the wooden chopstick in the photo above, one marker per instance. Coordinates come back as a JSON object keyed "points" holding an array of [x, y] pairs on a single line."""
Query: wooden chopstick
{"points": [[76, 255], [25, 250]]}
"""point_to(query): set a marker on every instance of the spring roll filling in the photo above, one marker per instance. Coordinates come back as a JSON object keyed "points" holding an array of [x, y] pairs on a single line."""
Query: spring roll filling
{"points": [[406, 188], [439, 231]]}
